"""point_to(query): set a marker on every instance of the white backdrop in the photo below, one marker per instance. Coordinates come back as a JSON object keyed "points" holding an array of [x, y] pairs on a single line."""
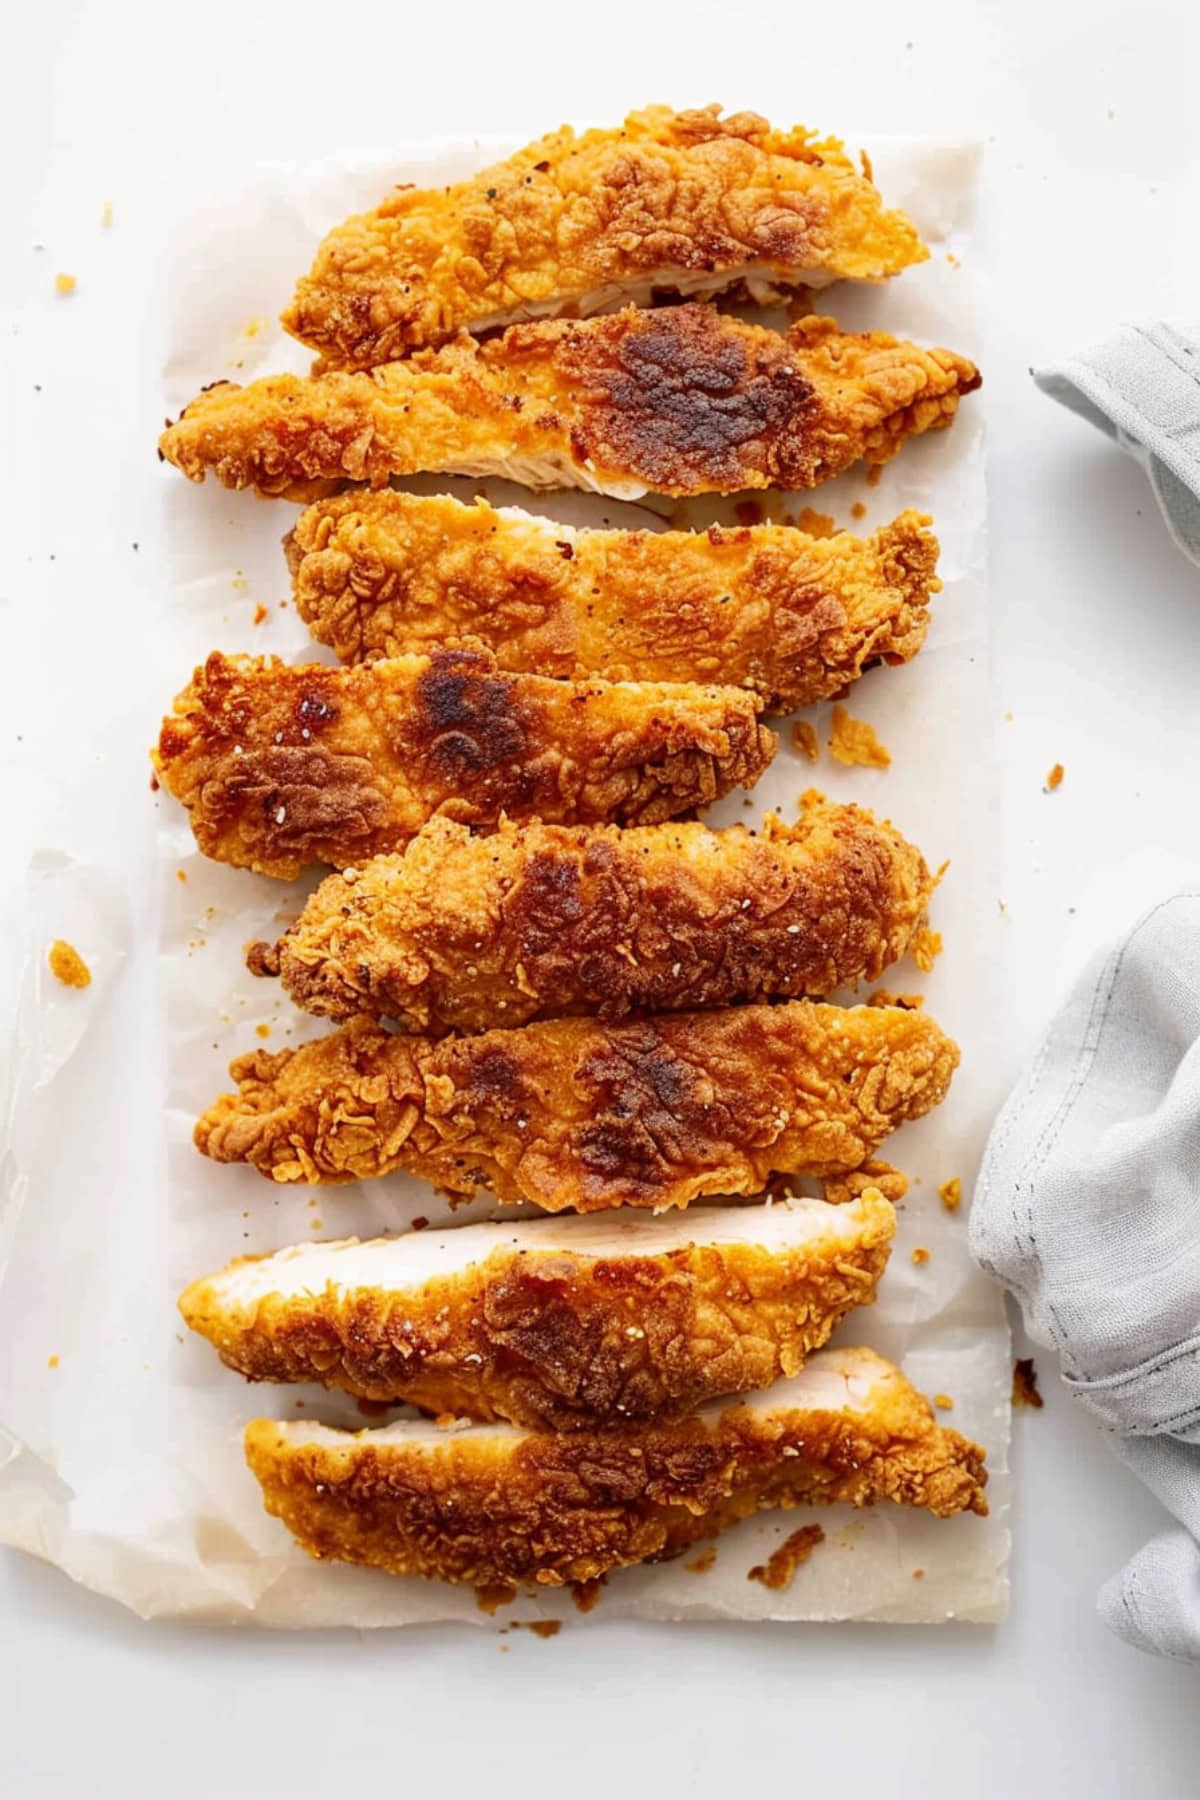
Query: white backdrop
{"points": [[1092, 191]]}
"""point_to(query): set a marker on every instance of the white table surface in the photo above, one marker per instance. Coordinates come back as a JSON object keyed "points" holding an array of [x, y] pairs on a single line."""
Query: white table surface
{"points": [[1089, 112]]}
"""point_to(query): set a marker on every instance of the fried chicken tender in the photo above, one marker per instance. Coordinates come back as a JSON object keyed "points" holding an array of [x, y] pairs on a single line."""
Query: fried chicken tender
{"points": [[795, 618], [685, 203], [489, 1505], [679, 400], [575, 1113], [280, 767], [536, 921], [555, 1324]]}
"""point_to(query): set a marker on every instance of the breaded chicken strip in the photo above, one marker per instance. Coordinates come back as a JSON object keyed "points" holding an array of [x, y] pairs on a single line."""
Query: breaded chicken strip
{"points": [[767, 607], [536, 921], [555, 1324], [574, 1113], [685, 203], [280, 767], [680, 400], [490, 1505]]}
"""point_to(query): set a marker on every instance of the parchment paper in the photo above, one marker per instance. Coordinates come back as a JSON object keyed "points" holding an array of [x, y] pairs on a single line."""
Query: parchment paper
{"points": [[131, 1477]]}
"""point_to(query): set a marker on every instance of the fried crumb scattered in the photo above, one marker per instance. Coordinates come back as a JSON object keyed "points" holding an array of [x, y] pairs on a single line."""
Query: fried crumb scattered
{"points": [[52, 1363], [1054, 779], [885, 997], [64, 284], [952, 259], [943, 1402], [586, 1594], [420, 1223], [858, 510], [816, 524], [260, 613], [804, 739], [252, 327], [701, 1564], [239, 584], [853, 741], [106, 213], [262, 1031], [181, 874], [490, 1599], [748, 512], [782, 1563], [925, 948], [317, 1224], [874, 474], [950, 1194], [542, 1628], [1025, 1383], [67, 966], [920, 1255], [918, 1574]]}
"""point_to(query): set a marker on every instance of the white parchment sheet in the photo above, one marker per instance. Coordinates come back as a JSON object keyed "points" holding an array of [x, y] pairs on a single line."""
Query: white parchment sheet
{"points": [[132, 1479]]}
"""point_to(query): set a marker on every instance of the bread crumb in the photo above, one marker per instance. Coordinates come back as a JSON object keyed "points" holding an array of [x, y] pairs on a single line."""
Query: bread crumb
{"points": [[263, 1031], [316, 1224], [52, 1363], [920, 1255], [181, 874], [858, 510], [853, 741], [1054, 779], [543, 1628], [67, 966], [885, 997], [1025, 1383], [782, 1563], [925, 948], [106, 214], [804, 739], [918, 1574], [419, 1224], [490, 1599], [64, 284], [260, 613], [817, 524], [586, 1594], [701, 1564], [950, 1194], [943, 1402]]}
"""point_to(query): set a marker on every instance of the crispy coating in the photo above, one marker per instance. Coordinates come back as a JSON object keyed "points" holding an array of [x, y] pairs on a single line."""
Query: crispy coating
{"points": [[488, 1506], [795, 618], [537, 921], [675, 202], [679, 400], [547, 1336], [575, 1113], [281, 767]]}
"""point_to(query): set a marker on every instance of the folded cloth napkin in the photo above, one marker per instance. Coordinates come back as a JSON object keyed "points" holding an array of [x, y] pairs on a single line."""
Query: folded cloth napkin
{"points": [[1088, 1209], [1142, 387]]}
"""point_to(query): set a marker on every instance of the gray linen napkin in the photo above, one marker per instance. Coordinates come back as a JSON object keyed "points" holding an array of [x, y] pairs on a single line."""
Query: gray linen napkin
{"points": [[1088, 1209], [1142, 387]]}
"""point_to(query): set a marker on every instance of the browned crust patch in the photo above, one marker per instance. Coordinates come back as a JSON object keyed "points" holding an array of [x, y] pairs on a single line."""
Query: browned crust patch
{"points": [[577, 1113]]}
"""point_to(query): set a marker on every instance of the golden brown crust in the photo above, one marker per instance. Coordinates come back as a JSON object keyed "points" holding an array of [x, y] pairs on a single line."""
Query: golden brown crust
{"points": [[795, 618], [281, 767], [569, 222], [575, 1113], [558, 1341], [554, 1507], [678, 400], [537, 921]]}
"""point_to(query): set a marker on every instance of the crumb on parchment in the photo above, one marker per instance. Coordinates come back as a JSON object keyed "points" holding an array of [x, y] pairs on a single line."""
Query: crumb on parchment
{"points": [[490, 1599], [106, 214], [543, 1628], [816, 524], [920, 1255], [804, 739], [53, 1361], [1025, 1383], [260, 613], [943, 1402], [586, 1594], [853, 741], [885, 997], [67, 966], [950, 1194], [64, 284], [1054, 779], [262, 1031], [858, 510], [782, 1563], [918, 1575], [925, 948], [700, 1565]]}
